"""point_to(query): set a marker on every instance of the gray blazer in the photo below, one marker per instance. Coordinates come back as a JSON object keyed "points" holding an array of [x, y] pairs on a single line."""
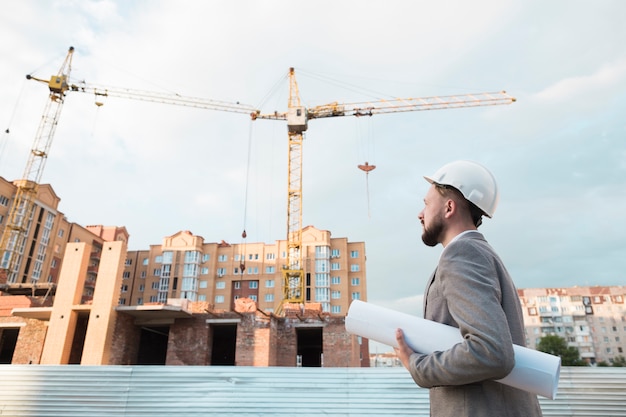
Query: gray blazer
{"points": [[472, 290]]}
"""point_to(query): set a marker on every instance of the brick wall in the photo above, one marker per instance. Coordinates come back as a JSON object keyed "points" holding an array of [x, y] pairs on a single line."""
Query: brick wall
{"points": [[253, 340], [188, 341], [125, 344]]}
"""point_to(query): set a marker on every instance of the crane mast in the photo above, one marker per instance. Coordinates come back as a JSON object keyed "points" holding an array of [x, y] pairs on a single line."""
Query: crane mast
{"points": [[293, 275]]}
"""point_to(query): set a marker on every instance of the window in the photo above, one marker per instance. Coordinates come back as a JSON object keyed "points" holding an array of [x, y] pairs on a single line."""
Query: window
{"points": [[122, 301], [204, 284], [336, 309], [334, 253], [354, 267], [143, 274], [335, 295], [269, 269], [222, 258], [124, 288], [139, 301], [335, 280], [321, 252], [158, 259], [354, 254], [334, 266], [253, 284], [253, 298], [321, 265], [219, 299], [126, 274], [254, 270], [269, 283], [237, 285], [204, 270], [355, 281], [145, 261], [270, 256], [61, 232], [356, 295], [141, 287], [269, 298], [155, 285], [221, 272], [4, 201], [321, 280], [220, 285], [153, 298], [128, 262], [157, 272], [201, 297], [206, 257]]}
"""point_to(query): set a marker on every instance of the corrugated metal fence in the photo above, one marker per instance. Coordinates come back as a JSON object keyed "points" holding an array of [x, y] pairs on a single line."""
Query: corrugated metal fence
{"points": [[66, 390]]}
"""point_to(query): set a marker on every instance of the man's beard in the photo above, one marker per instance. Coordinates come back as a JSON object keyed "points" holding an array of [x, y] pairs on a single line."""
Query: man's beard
{"points": [[431, 236]]}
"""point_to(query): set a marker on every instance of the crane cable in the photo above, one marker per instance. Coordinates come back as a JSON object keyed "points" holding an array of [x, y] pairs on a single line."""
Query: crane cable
{"points": [[366, 167], [244, 234], [7, 131]]}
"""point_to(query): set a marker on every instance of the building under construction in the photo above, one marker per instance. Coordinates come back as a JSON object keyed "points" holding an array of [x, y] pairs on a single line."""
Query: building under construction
{"points": [[78, 296]]}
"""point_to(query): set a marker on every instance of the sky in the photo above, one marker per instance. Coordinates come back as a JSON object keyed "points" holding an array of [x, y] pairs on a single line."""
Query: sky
{"points": [[558, 153]]}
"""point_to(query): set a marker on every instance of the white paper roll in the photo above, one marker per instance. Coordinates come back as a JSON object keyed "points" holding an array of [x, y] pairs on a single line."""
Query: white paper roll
{"points": [[536, 372]]}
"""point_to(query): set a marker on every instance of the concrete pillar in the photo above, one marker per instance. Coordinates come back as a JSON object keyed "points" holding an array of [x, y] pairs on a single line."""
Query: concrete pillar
{"points": [[99, 337], [58, 344]]}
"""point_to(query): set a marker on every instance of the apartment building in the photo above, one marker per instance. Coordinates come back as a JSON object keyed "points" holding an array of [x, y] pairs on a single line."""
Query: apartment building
{"points": [[592, 319], [39, 256], [78, 296], [185, 266]]}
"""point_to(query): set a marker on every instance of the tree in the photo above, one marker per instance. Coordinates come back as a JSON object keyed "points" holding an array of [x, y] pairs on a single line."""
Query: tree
{"points": [[557, 346], [619, 361]]}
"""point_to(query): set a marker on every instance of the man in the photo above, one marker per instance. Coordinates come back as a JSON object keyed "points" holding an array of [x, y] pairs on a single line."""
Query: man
{"points": [[471, 290]]}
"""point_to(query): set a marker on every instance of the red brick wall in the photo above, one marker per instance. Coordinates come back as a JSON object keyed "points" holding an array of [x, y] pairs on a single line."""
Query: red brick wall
{"points": [[188, 341], [29, 340], [125, 344], [286, 345], [253, 340], [340, 347]]}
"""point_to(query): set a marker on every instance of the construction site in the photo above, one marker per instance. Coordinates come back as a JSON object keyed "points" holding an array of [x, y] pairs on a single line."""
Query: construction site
{"points": [[77, 295], [226, 327]]}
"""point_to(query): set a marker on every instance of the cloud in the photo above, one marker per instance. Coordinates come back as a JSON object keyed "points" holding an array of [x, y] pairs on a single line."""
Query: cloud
{"points": [[582, 87]]}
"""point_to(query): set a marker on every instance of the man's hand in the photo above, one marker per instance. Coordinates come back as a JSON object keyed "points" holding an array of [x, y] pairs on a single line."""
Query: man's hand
{"points": [[403, 350]]}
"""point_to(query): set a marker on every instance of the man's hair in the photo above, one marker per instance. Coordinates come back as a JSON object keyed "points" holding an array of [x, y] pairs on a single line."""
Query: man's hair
{"points": [[448, 191]]}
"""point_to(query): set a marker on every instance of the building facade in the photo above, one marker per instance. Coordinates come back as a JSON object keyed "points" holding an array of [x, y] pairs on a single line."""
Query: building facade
{"points": [[77, 296], [592, 319], [39, 257], [185, 266]]}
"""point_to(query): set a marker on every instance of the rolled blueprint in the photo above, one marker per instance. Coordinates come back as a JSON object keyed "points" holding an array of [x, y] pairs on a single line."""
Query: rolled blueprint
{"points": [[536, 372]]}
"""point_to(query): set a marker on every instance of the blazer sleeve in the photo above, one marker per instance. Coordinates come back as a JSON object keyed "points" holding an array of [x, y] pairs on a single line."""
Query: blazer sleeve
{"points": [[468, 296]]}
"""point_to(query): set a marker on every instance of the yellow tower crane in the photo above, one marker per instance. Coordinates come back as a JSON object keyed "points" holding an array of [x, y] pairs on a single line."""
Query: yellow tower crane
{"points": [[297, 117], [13, 241]]}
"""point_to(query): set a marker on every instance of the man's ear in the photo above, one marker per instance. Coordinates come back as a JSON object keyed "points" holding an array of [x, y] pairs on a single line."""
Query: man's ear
{"points": [[449, 207]]}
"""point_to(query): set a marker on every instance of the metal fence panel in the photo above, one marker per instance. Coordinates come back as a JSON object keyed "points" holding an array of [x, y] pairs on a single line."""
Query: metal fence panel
{"points": [[139, 391]]}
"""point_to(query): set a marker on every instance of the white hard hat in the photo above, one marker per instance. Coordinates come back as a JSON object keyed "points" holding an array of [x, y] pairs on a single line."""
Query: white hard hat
{"points": [[473, 180]]}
